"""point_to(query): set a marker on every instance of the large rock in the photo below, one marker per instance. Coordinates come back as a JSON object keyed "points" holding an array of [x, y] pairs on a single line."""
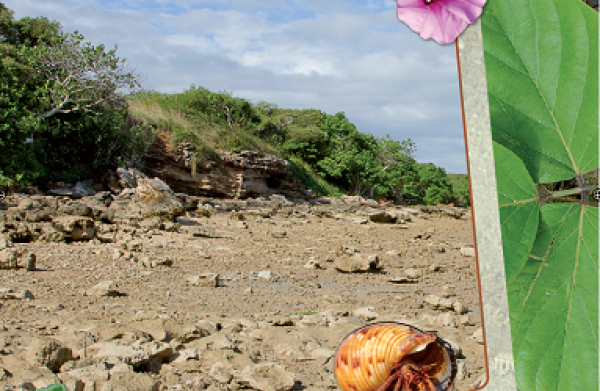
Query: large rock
{"points": [[358, 263], [151, 198], [48, 353], [147, 356], [104, 289], [223, 174], [75, 227]]}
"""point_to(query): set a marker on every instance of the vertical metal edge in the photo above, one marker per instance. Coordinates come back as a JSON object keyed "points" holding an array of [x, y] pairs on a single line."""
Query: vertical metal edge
{"points": [[486, 216]]}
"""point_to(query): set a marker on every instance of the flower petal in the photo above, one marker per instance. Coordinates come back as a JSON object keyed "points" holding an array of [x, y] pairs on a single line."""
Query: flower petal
{"points": [[442, 26], [411, 4], [468, 10], [443, 20], [414, 17]]}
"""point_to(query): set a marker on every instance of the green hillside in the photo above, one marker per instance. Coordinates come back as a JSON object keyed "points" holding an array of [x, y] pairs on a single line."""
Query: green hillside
{"points": [[64, 119]]}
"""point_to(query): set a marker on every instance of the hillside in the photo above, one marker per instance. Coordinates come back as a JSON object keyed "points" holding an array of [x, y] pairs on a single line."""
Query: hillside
{"points": [[327, 153]]}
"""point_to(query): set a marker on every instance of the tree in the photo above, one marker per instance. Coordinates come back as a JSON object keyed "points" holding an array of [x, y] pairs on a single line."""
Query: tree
{"points": [[80, 76], [434, 187], [398, 168], [61, 114], [350, 157], [20, 95]]}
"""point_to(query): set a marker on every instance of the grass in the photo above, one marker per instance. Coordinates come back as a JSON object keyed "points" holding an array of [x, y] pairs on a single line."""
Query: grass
{"points": [[168, 114], [311, 179]]}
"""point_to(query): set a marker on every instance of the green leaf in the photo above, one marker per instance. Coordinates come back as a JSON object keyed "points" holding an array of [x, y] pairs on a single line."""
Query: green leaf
{"points": [[519, 209], [554, 303], [542, 73], [541, 60]]}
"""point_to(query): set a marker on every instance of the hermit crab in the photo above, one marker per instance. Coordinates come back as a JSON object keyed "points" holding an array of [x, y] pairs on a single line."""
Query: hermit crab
{"points": [[394, 357]]}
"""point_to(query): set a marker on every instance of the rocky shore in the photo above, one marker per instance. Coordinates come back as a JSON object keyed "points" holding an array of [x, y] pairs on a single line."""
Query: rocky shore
{"points": [[156, 290]]}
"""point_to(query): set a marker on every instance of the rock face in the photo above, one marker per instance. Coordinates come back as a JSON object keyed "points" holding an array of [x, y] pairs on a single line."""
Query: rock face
{"points": [[227, 174]]}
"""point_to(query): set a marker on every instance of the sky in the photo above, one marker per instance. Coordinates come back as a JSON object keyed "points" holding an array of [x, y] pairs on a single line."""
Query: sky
{"points": [[351, 56]]}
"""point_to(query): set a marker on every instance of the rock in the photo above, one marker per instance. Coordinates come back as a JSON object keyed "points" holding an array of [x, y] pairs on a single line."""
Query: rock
{"points": [[26, 376], [403, 280], [92, 376], [382, 216], [439, 303], [358, 263], [265, 377], [222, 174], [130, 381], [105, 289], [70, 383], [48, 353], [128, 177], [278, 234], [146, 356], [477, 336], [446, 319], [75, 227], [443, 211], [9, 258], [281, 321], [9, 293], [151, 198], [348, 250], [152, 223], [74, 208], [466, 320], [207, 280], [203, 232], [459, 308], [412, 273], [312, 264], [152, 263], [28, 204], [266, 274], [5, 242], [467, 252], [366, 313], [221, 372]]}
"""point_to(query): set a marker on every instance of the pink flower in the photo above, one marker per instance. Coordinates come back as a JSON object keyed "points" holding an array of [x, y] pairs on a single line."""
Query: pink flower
{"points": [[442, 20]]}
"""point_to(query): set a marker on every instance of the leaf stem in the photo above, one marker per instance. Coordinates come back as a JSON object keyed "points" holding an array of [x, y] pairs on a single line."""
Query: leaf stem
{"points": [[568, 192]]}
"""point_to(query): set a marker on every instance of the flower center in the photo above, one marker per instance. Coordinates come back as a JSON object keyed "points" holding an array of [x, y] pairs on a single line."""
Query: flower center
{"points": [[428, 2]]}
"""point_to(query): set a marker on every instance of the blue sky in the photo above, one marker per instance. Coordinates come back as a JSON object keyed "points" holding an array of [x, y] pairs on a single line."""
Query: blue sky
{"points": [[334, 55]]}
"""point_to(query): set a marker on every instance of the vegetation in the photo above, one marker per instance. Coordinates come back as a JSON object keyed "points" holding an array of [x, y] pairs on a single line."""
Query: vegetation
{"points": [[63, 119]]}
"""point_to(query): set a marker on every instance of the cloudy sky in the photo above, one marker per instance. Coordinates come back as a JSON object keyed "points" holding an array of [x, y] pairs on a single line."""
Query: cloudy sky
{"points": [[334, 55]]}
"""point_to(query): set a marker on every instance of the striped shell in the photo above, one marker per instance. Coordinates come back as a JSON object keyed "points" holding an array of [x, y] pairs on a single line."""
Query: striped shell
{"points": [[365, 358]]}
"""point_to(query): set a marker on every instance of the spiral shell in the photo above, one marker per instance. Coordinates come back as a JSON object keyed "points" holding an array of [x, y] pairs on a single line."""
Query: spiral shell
{"points": [[366, 357]]}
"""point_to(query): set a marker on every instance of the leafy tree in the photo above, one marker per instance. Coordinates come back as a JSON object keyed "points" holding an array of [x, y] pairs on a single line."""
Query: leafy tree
{"points": [[80, 76], [350, 156], [19, 96], [434, 187], [460, 188], [398, 168], [60, 109], [302, 133]]}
